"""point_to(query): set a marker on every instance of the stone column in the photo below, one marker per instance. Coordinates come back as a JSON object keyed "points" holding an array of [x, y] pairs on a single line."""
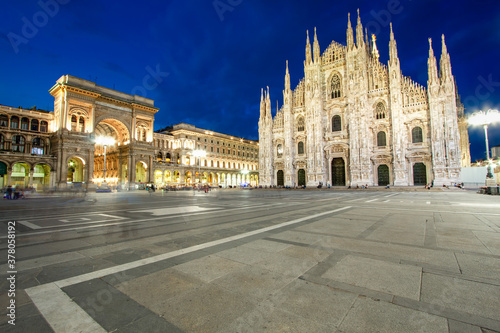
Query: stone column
{"points": [[30, 183]]}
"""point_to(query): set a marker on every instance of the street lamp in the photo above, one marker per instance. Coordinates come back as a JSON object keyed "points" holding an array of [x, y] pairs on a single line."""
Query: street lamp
{"points": [[199, 153], [244, 172], [482, 118], [105, 141]]}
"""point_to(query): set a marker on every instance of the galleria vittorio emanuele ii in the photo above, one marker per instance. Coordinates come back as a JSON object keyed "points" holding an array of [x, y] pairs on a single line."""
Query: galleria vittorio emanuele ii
{"points": [[354, 121]]}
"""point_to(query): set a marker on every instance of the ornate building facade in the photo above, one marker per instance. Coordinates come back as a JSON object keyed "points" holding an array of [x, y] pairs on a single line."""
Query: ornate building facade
{"points": [[354, 121], [63, 148]]}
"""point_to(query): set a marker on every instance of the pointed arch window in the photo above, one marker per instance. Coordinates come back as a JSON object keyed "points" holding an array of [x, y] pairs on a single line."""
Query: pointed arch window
{"points": [[381, 139], [416, 135], [300, 148], [380, 111], [336, 123], [300, 124], [336, 86]]}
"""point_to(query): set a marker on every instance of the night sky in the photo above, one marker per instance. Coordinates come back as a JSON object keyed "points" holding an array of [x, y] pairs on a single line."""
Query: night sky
{"points": [[204, 62]]}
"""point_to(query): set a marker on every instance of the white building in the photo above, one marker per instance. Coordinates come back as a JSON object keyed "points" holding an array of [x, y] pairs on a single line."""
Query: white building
{"points": [[353, 121]]}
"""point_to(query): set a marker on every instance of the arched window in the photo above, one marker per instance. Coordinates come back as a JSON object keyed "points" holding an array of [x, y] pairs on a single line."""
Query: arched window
{"points": [[81, 125], [44, 126], [25, 124], [279, 150], [34, 124], [74, 122], [4, 120], [212, 164], [300, 124], [336, 123], [37, 146], [14, 122], [18, 143], [381, 139], [2, 142], [380, 111], [159, 157], [336, 87], [300, 148], [416, 135]]}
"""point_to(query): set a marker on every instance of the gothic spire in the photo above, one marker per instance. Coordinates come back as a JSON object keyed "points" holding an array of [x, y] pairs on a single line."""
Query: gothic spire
{"points": [[287, 78], [317, 54], [262, 104], [268, 105], [393, 49], [308, 50], [359, 33], [350, 36], [375, 53], [432, 66], [444, 63]]}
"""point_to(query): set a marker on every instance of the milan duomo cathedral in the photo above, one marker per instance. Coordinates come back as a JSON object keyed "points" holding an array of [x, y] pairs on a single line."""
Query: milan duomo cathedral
{"points": [[355, 121]]}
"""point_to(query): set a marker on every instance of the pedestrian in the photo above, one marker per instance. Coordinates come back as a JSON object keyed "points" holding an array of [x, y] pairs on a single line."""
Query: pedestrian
{"points": [[9, 192]]}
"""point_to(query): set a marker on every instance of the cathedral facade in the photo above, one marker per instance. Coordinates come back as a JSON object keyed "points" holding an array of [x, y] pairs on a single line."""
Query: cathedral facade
{"points": [[355, 121]]}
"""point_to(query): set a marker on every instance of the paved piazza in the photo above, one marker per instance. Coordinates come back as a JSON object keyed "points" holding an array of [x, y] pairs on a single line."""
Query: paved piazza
{"points": [[383, 260]]}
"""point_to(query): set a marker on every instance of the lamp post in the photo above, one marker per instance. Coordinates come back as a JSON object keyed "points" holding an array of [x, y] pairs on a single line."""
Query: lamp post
{"points": [[244, 172], [482, 118], [199, 153], [105, 141]]}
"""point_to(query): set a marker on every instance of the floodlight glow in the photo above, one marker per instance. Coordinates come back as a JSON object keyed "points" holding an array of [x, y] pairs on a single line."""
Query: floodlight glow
{"points": [[199, 153], [482, 118], [105, 140]]}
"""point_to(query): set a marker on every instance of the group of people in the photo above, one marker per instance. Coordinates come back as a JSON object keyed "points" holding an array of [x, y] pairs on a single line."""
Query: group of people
{"points": [[13, 193]]}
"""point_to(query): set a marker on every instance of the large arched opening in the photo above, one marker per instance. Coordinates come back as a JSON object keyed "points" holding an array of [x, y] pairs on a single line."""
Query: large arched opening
{"points": [[111, 163]]}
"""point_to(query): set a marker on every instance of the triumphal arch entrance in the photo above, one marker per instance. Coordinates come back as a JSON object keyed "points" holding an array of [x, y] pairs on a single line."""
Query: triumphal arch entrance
{"points": [[101, 135]]}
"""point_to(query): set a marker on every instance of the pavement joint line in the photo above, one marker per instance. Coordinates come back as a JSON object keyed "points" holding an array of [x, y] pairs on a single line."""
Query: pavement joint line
{"points": [[60, 311], [124, 222], [433, 211]]}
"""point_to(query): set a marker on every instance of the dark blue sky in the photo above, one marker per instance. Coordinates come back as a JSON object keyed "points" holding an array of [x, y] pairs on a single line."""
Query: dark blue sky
{"points": [[210, 63]]}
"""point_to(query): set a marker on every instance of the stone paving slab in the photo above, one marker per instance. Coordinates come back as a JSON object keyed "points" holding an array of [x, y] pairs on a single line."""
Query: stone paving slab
{"points": [[258, 282], [369, 316], [315, 302], [383, 276], [462, 295], [209, 268], [206, 309], [444, 259], [337, 227], [478, 265]]}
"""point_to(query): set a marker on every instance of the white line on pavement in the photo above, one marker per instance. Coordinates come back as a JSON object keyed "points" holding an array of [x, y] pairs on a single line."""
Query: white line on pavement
{"points": [[29, 225], [63, 315]]}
